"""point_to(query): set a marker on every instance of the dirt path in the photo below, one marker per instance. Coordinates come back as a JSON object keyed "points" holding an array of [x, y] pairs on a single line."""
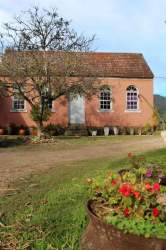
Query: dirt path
{"points": [[22, 161]]}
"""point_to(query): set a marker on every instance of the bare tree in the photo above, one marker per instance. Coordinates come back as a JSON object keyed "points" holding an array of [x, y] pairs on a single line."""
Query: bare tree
{"points": [[44, 59]]}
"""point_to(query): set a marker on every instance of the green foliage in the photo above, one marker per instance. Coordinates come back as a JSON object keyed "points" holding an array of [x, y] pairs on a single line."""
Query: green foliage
{"points": [[37, 114], [54, 129], [160, 103], [138, 226], [147, 129]]}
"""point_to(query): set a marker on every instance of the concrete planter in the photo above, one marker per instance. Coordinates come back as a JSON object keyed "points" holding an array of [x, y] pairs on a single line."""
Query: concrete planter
{"points": [[116, 130], [94, 132], [163, 135], [102, 236], [106, 131]]}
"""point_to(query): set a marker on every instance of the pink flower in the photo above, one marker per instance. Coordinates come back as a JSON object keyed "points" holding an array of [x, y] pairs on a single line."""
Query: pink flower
{"points": [[125, 189], [155, 212], [156, 187]]}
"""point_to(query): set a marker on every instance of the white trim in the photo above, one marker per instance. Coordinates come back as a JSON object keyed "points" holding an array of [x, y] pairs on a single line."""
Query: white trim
{"points": [[18, 111], [105, 110], [132, 111]]}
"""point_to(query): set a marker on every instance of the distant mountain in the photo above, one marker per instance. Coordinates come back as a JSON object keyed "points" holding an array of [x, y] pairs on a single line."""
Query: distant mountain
{"points": [[160, 103]]}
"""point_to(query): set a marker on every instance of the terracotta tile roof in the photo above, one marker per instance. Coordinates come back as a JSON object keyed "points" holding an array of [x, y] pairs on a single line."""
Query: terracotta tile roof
{"points": [[125, 65], [99, 64]]}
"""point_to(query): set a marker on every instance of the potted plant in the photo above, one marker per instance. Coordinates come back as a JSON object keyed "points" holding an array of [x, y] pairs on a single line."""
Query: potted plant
{"points": [[127, 212], [2, 131], [33, 131], [21, 130], [106, 130]]}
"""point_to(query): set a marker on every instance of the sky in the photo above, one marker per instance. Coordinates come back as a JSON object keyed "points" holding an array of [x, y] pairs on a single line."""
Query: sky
{"points": [[119, 25]]}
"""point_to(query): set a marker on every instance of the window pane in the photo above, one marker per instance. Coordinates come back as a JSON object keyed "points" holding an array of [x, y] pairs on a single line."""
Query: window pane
{"points": [[132, 98], [18, 103], [105, 99]]}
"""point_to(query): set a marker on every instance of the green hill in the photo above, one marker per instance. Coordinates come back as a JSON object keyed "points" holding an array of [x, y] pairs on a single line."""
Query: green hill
{"points": [[160, 103]]}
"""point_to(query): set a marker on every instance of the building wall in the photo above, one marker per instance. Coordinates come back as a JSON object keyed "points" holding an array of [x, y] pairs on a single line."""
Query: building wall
{"points": [[119, 115], [93, 116]]}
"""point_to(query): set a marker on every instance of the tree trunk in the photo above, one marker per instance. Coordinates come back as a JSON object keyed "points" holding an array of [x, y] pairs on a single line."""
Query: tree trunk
{"points": [[39, 129]]}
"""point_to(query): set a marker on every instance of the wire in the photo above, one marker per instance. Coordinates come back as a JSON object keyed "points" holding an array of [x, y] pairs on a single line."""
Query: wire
{"points": [[161, 77]]}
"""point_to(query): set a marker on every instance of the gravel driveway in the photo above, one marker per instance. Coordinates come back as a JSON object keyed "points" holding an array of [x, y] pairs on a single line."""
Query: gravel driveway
{"points": [[21, 161]]}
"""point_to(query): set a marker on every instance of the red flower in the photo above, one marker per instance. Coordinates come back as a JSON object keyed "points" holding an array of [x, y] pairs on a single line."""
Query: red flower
{"points": [[125, 189], [148, 187], [137, 194], [130, 155], [156, 187], [155, 212], [126, 212], [113, 182]]}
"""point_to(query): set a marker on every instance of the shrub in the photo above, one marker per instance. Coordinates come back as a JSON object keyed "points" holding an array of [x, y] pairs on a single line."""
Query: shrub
{"points": [[123, 131], [147, 129], [54, 129]]}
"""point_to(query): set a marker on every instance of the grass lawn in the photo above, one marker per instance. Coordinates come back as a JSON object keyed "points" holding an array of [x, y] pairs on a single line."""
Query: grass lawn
{"points": [[48, 211]]}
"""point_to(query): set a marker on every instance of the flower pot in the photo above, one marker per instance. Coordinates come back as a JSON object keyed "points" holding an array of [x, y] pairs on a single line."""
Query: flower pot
{"points": [[21, 131], [106, 131], [116, 130], [94, 132], [162, 180], [102, 236], [163, 135], [33, 131], [1, 131]]}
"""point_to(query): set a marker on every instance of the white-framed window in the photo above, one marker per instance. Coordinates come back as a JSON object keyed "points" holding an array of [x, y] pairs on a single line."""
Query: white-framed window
{"points": [[18, 102], [105, 99], [132, 100]]}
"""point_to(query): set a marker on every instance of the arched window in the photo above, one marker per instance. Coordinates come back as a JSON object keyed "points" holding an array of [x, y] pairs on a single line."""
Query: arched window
{"points": [[132, 98], [105, 99]]}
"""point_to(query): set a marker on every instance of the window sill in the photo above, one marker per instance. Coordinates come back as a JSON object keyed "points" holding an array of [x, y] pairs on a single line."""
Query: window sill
{"points": [[18, 111], [53, 110], [106, 111], [133, 111]]}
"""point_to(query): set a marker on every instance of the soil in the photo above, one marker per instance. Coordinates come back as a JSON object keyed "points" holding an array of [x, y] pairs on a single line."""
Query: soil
{"points": [[21, 161]]}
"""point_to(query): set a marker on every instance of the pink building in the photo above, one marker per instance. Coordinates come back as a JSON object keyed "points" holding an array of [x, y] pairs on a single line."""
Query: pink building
{"points": [[127, 101]]}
